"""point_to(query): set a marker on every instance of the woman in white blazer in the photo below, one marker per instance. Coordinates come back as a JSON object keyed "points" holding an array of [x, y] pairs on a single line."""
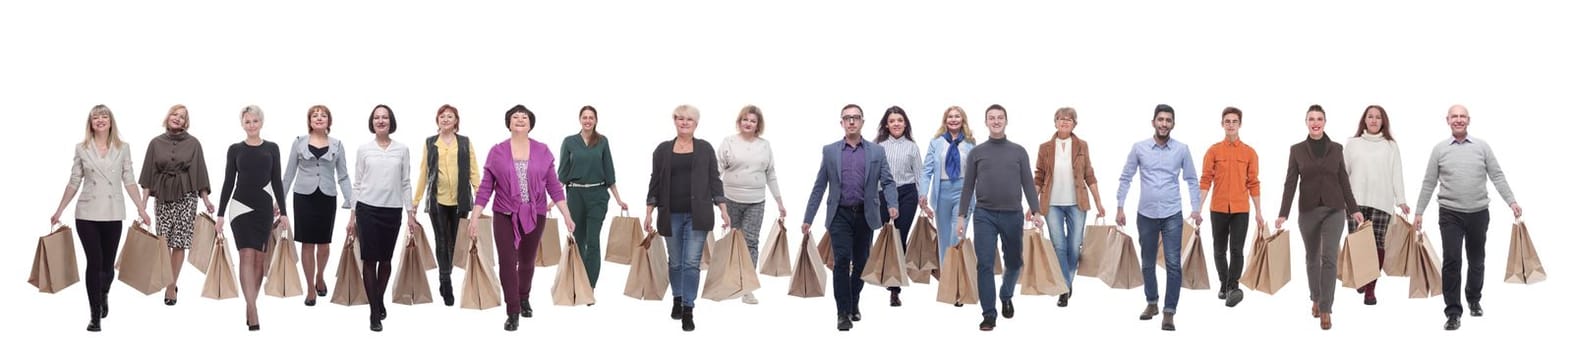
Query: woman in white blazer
{"points": [[100, 169]]}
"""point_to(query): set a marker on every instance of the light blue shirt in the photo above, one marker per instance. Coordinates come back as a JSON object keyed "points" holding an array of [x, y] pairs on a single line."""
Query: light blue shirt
{"points": [[1161, 167]]}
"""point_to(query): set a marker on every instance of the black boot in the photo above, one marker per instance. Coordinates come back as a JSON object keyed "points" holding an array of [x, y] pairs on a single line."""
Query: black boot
{"points": [[446, 288], [688, 319], [526, 311], [677, 308], [512, 324]]}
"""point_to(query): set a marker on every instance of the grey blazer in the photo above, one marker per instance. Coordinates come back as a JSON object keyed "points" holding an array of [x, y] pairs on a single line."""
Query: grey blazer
{"points": [[318, 173], [101, 182], [876, 184]]}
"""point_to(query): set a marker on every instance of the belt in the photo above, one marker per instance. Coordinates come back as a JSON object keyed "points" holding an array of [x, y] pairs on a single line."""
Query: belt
{"points": [[578, 185]]}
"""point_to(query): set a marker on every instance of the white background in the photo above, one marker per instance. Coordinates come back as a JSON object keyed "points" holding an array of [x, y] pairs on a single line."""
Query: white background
{"points": [[800, 62]]}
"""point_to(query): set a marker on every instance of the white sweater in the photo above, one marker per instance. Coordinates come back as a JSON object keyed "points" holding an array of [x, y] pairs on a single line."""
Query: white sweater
{"points": [[747, 169], [1376, 172]]}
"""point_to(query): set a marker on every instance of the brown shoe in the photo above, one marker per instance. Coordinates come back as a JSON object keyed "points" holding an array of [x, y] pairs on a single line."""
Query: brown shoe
{"points": [[1315, 312], [1152, 310], [1327, 321], [1168, 321]]}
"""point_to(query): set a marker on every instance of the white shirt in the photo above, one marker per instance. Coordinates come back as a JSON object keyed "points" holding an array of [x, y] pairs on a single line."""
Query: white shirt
{"points": [[748, 168], [1064, 186], [905, 162], [1376, 173], [382, 176]]}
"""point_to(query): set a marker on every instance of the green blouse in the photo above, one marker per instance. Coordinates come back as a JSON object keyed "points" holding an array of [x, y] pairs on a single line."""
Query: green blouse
{"points": [[583, 164]]}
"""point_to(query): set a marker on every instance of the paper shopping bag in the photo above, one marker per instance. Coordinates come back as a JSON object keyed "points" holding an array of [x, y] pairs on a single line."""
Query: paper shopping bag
{"points": [[350, 288], [621, 240], [283, 265], [706, 251], [1267, 269], [410, 285], [1400, 233], [1193, 262], [203, 233], [1523, 262], [887, 263], [647, 276], [423, 251], [808, 273], [1041, 273], [54, 262], [220, 283], [1425, 273], [922, 250], [483, 237], [550, 250], [826, 254], [144, 260], [1357, 264], [733, 275], [1093, 248], [1120, 268], [572, 285], [776, 259], [481, 290], [958, 279]]}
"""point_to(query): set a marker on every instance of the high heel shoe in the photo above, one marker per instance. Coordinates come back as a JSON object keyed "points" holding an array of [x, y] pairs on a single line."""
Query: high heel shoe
{"points": [[322, 291], [311, 302], [171, 301]]}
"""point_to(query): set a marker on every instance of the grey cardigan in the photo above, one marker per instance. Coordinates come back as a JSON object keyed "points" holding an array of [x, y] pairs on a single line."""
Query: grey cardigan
{"points": [[318, 173]]}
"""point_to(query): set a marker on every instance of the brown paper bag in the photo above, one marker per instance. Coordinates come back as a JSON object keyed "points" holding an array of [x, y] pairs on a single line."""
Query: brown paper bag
{"points": [[1041, 273], [462, 243], [706, 251], [647, 276], [203, 234], [1120, 268], [1400, 233], [144, 260], [887, 263], [1523, 262], [550, 250], [1357, 260], [350, 288], [54, 262], [572, 285], [626, 232], [410, 286], [1193, 259], [481, 290], [826, 254], [423, 252], [922, 250], [1267, 269], [1425, 273], [734, 275], [958, 279], [220, 283], [1093, 248], [283, 265], [808, 273], [777, 258]]}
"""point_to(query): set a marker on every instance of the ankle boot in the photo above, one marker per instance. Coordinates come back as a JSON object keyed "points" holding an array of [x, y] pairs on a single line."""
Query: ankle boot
{"points": [[688, 318], [446, 288]]}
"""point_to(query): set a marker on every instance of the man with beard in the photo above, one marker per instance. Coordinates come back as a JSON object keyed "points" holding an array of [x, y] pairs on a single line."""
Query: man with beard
{"points": [[1161, 161], [856, 176]]}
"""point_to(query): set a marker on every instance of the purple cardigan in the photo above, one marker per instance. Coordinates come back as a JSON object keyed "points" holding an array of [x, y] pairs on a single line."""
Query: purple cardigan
{"points": [[501, 176]]}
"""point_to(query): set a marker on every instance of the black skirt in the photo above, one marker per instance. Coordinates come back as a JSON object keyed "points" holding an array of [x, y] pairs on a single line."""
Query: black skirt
{"points": [[252, 230], [314, 217], [377, 230]]}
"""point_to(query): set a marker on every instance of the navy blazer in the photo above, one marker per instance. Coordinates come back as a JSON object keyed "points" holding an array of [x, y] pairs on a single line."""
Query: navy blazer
{"points": [[878, 178]]}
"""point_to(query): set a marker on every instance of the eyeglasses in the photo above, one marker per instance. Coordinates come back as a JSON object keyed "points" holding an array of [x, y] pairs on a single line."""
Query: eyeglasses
{"points": [[851, 117], [1064, 119]]}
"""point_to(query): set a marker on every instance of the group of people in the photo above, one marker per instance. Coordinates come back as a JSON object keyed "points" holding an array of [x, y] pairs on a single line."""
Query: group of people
{"points": [[864, 185]]}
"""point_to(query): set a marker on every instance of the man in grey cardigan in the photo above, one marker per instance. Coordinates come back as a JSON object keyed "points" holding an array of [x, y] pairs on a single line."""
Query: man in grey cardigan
{"points": [[1461, 164], [1006, 177]]}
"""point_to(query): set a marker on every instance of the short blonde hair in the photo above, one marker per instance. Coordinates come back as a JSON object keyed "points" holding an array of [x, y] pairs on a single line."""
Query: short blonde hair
{"points": [[252, 110], [686, 110], [759, 127], [114, 130], [184, 118]]}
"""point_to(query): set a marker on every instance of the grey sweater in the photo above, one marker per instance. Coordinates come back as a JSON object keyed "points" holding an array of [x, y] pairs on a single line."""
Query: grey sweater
{"points": [[1461, 169], [998, 170]]}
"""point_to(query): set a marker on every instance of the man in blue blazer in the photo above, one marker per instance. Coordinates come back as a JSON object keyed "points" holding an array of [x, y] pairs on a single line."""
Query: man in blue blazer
{"points": [[855, 172]]}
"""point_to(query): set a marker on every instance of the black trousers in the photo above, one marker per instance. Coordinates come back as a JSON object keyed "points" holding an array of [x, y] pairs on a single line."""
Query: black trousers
{"points": [[99, 242], [1229, 232], [907, 206], [1463, 234]]}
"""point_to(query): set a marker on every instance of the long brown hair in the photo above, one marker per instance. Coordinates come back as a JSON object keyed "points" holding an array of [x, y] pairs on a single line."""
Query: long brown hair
{"points": [[595, 135], [1387, 129]]}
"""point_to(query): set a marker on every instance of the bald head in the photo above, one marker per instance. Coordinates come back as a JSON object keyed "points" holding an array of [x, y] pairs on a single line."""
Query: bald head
{"points": [[1458, 120]]}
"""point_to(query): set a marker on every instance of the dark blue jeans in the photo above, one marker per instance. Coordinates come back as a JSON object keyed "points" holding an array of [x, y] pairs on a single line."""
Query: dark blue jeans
{"points": [[991, 227], [850, 238], [1149, 229]]}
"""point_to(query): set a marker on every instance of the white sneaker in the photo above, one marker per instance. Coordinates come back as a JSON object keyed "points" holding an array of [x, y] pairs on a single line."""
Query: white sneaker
{"points": [[749, 299]]}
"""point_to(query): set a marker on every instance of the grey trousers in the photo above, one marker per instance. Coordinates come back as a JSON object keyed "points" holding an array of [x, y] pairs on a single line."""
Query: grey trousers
{"points": [[1321, 227], [748, 217]]}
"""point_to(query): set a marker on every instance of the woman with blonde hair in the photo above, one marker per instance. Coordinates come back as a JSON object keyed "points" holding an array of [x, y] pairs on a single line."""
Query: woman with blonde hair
{"points": [[175, 171], [941, 179], [250, 168], [100, 168], [685, 180], [748, 168]]}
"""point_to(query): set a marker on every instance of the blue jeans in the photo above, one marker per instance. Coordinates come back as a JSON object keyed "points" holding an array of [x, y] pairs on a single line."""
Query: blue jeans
{"points": [[850, 238], [685, 248], [1067, 224], [945, 212], [1003, 227], [1149, 229]]}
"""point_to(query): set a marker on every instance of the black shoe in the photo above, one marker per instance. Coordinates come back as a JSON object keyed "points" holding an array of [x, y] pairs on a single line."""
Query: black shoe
{"points": [[1008, 309], [1152, 310], [311, 302], [677, 308], [92, 326], [856, 316], [254, 328], [446, 290], [382, 314], [376, 326], [958, 304], [987, 325], [1475, 311], [103, 310], [322, 291], [512, 324], [895, 299], [170, 301], [1223, 294], [1168, 321], [527, 312], [1452, 323], [1065, 299], [1235, 296], [688, 319], [843, 323]]}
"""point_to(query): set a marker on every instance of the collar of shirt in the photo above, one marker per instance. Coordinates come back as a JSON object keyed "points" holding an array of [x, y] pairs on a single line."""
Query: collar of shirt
{"points": [[1467, 139], [848, 144]]}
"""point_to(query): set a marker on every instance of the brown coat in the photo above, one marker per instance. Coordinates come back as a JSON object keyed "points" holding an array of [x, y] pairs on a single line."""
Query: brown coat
{"points": [[1324, 179], [1081, 169], [173, 167]]}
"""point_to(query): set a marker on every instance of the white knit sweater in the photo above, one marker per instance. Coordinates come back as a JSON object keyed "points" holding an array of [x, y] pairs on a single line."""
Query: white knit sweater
{"points": [[1376, 172]]}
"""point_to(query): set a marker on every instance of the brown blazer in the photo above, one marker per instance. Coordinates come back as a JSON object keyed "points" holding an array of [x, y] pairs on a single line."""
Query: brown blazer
{"points": [[1325, 179], [1081, 169]]}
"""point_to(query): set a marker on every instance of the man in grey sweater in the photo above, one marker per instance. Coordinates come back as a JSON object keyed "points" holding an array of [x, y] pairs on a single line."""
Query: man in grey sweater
{"points": [[1001, 175], [1460, 165]]}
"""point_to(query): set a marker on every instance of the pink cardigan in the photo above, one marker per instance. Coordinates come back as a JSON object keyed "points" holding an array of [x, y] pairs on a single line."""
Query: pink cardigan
{"points": [[500, 175]]}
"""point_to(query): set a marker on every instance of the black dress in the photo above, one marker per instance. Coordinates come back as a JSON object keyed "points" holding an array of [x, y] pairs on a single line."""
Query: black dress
{"points": [[315, 213], [248, 171]]}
